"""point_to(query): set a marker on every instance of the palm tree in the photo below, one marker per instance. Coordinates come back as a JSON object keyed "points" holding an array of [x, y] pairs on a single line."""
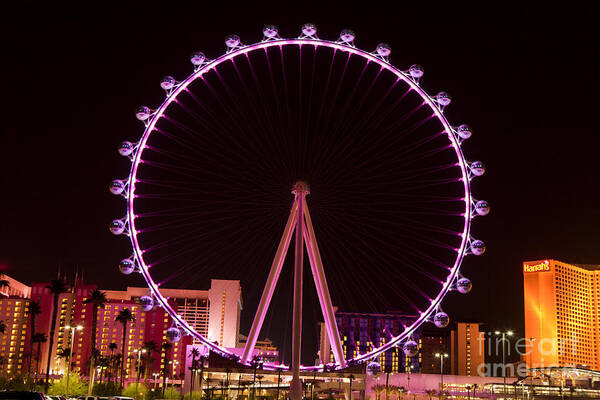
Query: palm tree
{"points": [[98, 300], [401, 392], [64, 353], [150, 347], [38, 338], [56, 286], [117, 363], [394, 390], [125, 316], [112, 347], [166, 346], [378, 389], [201, 361], [34, 310], [194, 353], [4, 283], [104, 363]]}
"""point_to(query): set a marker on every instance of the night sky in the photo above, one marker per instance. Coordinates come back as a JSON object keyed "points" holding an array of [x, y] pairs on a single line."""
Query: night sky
{"points": [[523, 77]]}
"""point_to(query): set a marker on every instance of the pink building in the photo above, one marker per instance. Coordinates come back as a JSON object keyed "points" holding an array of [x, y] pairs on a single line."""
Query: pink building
{"points": [[71, 312], [111, 331], [214, 313]]}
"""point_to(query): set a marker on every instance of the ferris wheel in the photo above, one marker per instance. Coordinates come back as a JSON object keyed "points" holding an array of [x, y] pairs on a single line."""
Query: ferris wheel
{"points": [[208, 191]]}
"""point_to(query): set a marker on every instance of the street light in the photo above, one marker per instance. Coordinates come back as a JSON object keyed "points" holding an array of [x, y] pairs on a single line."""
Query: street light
{"points": [[174, 363], [441, 356], [504, 335], [72, 329], [155, 375], [409, 370], [139, 353]]}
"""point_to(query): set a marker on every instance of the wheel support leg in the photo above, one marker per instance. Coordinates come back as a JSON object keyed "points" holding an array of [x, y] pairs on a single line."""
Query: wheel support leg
{"points": [[318, 273], [296, 384], [267, 294]]}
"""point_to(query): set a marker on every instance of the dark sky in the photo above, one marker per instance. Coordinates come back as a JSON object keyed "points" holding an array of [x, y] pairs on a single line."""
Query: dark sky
{"points": [[524, 77]]}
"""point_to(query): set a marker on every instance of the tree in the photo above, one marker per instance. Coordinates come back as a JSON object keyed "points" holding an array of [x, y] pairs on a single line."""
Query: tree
{"points": [[112, 347], [166, 346], [430, 393], [401, 392], [38, 338], [117, 362], [4, 283], [443, 394], [98, 300], [2, 326], [202, 361], [171, 393], [150, 347], [195, 353], [136, 392], [64, 353], [57, 287], [103, 364], [125, 316], [378, 389], [34, 310], [394, 390], [77, 387]]}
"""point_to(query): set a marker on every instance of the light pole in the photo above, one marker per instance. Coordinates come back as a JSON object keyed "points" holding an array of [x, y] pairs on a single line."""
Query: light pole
{"points": [[504, 335], [173, 372], [155, 375], [72, 329], [409, 370], [441, 356], [139, 353]]}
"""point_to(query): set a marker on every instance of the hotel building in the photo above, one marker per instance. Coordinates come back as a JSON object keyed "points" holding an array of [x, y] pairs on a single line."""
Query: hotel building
{"points": [[14, 343], [214, 313], [433, 341], [263, 349], [111, 331], [71, 312], [467, 350], [363, 332], [14, 288], [562, 313]]}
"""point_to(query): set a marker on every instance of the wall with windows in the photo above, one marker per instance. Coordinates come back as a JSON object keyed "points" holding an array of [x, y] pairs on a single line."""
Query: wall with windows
{"points": [[562, 313], [14, 343]]}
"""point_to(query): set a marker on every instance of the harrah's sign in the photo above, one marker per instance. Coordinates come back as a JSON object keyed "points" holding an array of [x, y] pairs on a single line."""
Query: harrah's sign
{"points": [[544, 266]]}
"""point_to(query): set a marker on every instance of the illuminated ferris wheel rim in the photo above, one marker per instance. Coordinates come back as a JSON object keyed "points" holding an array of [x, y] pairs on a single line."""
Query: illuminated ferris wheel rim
{"points": [[380, 57]]}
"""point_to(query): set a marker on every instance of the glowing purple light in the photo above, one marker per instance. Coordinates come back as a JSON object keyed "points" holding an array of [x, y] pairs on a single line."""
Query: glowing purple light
{"points": [[411, 79]]}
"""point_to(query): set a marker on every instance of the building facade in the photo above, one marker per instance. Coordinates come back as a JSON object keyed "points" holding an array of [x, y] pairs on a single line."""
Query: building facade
{"points": [[214, 313], [263, 349], [14, 288], [363, 332], [72, 311], [15, 351], [467, 349], [433, 341], [562, 314]]}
